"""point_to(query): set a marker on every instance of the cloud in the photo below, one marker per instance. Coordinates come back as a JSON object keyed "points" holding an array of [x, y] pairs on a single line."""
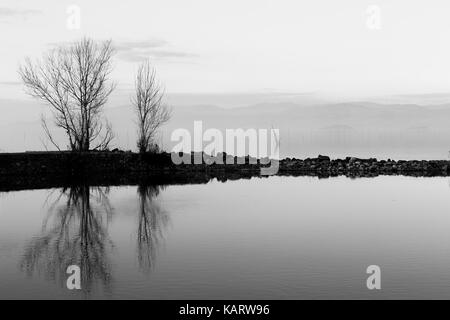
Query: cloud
{"points": [[135, 51], [22, 13], [10, 83], [147, 44]]}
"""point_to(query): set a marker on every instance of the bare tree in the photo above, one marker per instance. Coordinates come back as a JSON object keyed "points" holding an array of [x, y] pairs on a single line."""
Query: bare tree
{"points": [[74, 80], [149, 106]]}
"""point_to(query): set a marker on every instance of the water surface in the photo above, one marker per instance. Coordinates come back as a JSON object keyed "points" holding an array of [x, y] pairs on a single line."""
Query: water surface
{"points": [[264, 238]]}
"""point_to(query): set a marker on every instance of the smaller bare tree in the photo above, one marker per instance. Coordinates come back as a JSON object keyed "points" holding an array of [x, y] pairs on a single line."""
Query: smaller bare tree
{"points": [[151, 111]]}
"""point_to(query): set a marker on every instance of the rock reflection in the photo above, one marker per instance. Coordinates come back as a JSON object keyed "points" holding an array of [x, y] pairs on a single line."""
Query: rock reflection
{"points": [[74, 233], [152, 222]]}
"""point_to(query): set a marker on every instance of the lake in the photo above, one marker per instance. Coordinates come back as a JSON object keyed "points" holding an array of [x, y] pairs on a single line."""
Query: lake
{"points": [[260, 238]]}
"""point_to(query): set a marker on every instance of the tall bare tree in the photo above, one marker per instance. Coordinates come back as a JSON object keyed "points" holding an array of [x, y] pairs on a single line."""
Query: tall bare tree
{"points": [[74, 80], [149, 106]]}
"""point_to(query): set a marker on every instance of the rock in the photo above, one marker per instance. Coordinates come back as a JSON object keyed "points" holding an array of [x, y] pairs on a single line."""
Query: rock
{"points": [[323, 158]]}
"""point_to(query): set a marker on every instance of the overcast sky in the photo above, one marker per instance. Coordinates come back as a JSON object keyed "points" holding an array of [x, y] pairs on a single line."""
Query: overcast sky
{"points": [[248, 45]]}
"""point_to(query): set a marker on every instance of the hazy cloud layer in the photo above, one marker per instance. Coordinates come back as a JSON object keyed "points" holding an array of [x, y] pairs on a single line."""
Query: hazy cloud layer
{"points": [[22, 13], [10, 83], [134, 51]]}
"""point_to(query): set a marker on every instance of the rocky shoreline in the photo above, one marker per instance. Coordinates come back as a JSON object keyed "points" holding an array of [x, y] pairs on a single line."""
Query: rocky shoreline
{"points": [[357, 167], [36, 170]]}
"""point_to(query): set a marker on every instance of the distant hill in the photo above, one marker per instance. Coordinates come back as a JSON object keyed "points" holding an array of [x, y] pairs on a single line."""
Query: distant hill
{"points": [[360, 126]]}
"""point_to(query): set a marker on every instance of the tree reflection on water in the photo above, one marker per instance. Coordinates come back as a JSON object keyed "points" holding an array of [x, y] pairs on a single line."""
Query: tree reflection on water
{"points": [[75, 232], [152, 222]]}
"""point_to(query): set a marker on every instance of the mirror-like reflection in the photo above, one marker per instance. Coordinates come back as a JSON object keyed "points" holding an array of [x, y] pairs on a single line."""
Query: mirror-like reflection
{"points": [[318, 247], [152, 222], [75, 232]]}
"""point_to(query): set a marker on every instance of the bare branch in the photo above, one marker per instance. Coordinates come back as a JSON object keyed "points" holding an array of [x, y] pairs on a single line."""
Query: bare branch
{"points": [[48, 134], [148, 104], [74, 81]]}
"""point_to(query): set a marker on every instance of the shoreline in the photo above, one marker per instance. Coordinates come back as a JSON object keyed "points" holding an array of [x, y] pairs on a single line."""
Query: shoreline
{"points": [[42, 170]]}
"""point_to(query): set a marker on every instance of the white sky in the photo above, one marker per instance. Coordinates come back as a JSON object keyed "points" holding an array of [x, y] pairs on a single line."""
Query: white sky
{"points": [[247, 45]]}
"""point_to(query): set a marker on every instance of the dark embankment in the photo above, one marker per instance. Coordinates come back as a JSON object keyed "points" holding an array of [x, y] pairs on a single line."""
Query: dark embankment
{"points": [[355, 167], [37, 170]]}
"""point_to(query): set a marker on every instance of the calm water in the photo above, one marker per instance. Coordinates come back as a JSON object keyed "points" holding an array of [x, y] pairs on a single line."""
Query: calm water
{"points": [[273, 238]]}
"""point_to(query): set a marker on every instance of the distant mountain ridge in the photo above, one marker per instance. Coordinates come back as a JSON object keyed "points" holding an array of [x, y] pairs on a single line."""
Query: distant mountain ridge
{"points": [[304, 128]]}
